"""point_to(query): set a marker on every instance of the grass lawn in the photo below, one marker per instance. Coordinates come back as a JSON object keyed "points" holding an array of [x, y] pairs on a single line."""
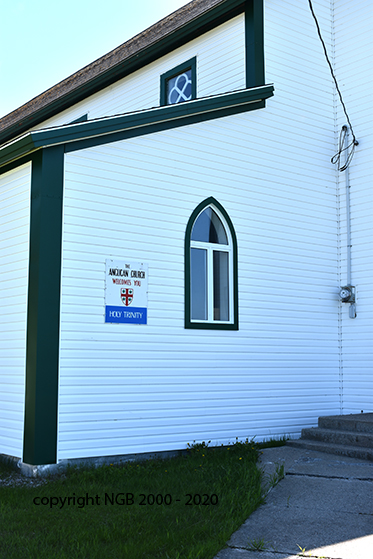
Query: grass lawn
{"points": [[180, 508]]}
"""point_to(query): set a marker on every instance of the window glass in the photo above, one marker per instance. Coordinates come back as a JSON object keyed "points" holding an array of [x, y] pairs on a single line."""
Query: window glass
{"points": [[179, 88], [221, 285], [211, 283], [198, 284], [208, 228]]}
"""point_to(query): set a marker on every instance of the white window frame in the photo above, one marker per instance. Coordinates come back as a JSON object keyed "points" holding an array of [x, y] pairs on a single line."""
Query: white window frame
{"points": [[210, 249]]}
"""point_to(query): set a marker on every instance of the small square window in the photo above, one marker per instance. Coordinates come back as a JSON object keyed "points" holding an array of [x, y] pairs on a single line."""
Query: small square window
{"points": [[179, 84]]}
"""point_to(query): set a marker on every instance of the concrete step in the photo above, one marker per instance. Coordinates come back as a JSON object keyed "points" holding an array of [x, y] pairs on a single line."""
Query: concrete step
{"points": [[341, 450], [360, 422], [345, 435], [339, 437]]}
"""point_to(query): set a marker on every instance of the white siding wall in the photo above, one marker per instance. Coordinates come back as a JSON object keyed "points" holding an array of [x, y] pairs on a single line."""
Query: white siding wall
{"points": [[220, 68], [14, 256], [127, 388], [354, 71]]}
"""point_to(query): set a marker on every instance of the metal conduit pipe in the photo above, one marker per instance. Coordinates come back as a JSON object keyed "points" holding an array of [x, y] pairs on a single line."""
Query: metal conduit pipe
{"points": [[351, 300]]}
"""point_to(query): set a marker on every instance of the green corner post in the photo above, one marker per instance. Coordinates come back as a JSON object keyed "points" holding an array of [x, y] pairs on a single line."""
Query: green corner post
{"points": [[43, 317], [254, 42]]}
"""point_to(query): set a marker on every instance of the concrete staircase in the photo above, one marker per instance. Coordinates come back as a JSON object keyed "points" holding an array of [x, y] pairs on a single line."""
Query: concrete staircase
{"points": [[346, 435]]}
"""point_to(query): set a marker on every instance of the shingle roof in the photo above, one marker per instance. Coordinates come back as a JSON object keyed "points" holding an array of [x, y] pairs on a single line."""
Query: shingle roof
{"points": [[128, 57]]}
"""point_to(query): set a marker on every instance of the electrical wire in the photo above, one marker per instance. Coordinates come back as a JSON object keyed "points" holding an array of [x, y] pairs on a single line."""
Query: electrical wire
{"points": [[337, 157]]}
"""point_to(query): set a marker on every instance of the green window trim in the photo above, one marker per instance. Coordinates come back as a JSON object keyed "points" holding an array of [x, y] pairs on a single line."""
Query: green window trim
{"points": [[203, 325], [190, 64]]}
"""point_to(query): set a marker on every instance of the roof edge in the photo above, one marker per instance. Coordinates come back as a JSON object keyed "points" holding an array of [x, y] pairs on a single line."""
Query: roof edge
{"points": [[191, 20]]}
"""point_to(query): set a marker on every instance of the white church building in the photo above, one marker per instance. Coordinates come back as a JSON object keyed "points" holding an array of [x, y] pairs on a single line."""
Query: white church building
{"points": [[174, 236]]}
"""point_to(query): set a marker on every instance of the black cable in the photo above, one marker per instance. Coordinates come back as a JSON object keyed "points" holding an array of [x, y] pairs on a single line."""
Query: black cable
{"points": [[336, 157]]}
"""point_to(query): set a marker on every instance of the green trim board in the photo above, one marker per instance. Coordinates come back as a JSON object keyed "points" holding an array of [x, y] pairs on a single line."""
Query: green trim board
{"points": [[197, 110], [16, 149], [208, 20], [190, 64], [211, 201], [254, 43], [159, 127], [82, 118], [43, 313], [16, 163]]}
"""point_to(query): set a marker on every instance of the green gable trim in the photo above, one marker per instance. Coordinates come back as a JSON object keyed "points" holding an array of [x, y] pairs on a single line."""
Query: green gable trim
{"points": [[197, 110], [188, 232], [202, 24], [188, 64], [254, 43], [43, 314]]}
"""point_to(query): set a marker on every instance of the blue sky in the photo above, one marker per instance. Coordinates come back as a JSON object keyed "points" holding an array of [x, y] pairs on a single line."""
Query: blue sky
{"points": [[44, 41]]}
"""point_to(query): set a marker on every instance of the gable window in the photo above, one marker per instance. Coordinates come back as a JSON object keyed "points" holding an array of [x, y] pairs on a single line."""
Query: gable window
{"points": [[179, 84], [211, 298]]}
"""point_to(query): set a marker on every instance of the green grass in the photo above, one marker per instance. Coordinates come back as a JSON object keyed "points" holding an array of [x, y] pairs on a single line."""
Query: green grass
{"points": [[210, 493], [273, 442]]}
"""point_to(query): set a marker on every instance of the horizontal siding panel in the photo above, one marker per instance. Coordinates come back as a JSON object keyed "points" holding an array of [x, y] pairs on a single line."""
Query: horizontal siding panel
{"points": [[14, 254], [250, 376], [179, 163], [261, 233], [253, 326], [209, 415], [240, 176], [231, 362], [150, 430], [187, 339], [95, 324], [171, 409]]}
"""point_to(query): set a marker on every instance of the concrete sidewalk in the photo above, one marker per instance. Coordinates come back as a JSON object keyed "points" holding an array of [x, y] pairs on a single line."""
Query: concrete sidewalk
{"points": [[322, 508]]}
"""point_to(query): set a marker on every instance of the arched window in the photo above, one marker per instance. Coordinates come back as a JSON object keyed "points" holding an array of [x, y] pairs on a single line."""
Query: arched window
{"points": [[211, 298]]}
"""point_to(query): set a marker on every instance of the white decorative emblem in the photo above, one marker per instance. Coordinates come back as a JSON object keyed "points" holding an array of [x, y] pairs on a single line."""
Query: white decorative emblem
{"points": [[177, 92]]}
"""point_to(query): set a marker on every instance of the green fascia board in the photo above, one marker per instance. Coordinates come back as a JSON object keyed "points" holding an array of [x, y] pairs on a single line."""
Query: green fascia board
{"points": [[161, 126], [144, 118], [203, 109], [202, 24], [16, 149]]}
